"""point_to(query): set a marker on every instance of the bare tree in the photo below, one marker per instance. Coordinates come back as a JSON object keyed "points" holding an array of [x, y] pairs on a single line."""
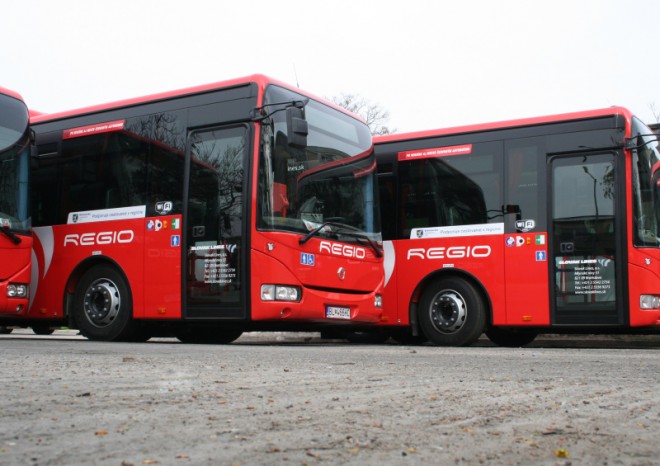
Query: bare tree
{"points": [[375, 116], [655, 111]]}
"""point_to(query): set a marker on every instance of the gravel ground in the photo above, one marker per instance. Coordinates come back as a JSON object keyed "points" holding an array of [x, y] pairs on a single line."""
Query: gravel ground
{"points": [[297, 400]]}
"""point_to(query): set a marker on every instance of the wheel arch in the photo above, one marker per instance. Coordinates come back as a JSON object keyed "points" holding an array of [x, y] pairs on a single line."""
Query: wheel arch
{"points": [[78, 272]]}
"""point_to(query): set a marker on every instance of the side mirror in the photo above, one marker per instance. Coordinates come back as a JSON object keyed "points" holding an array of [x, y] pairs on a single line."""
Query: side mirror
{"points": [[296, 127]]}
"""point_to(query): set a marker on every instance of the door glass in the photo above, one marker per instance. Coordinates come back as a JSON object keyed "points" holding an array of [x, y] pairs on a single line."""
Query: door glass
{"points": [[583, 203], [214, 220]]}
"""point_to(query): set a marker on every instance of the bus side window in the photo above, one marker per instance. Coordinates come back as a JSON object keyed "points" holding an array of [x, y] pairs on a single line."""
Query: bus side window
{"points": [[415, 201], [523, 169]]}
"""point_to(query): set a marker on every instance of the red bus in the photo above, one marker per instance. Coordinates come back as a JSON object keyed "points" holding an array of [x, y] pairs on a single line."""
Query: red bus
{"points": [[547, 224], [15, 236], [203, 213]]}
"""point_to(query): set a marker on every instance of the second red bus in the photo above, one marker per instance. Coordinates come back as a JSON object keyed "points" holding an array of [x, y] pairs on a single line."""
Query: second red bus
{"points": [[203, 213], [548, 224]]}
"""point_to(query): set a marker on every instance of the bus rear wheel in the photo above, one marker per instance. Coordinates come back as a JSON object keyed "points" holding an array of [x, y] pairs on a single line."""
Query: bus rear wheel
{"points": [[512, 338], [103, 306], [207, 335], [42, 330], [452, 312]]}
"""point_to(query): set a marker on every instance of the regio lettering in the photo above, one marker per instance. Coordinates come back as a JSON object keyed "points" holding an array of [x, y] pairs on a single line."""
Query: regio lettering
{"points": [[345, 250], [104, 237], [452, 252]]}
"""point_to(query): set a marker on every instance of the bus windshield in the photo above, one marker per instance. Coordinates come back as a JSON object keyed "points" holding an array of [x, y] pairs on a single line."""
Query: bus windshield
{"points": [[327, 187], [14, 164], [646, 187]]}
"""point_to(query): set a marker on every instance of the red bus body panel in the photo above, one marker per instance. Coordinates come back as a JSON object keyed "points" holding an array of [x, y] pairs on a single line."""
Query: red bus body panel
{"points": [[524, 301], [318, 281], [14, 268]]}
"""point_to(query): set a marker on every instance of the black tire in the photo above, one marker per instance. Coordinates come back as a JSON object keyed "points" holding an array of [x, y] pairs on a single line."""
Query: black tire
{"points": [[452, 312], [374, 337], [404, 336], [103, 306], [333, 334], [207, 335], [511, 338], [42, 330]]}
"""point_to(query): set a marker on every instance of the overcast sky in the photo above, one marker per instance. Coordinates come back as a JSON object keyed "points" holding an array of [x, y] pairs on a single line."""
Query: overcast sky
{"points": [[430, 63]]}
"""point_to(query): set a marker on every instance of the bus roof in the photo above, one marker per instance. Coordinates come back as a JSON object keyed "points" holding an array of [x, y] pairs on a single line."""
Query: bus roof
{"points": [[261, 80], [539, 120]]}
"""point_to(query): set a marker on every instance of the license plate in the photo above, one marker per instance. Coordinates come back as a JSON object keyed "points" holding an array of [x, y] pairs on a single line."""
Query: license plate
{"points": [[336, 312]]}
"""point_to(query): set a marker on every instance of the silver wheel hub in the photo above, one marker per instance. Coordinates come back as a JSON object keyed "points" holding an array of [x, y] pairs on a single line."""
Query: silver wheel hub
{"points": [[102, 302], [448, 311]]}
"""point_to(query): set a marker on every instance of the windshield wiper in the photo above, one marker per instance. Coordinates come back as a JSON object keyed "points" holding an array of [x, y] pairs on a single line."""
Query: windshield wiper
{"points": [[13, 237], [316, 230], [374, 246], [345, 230]]}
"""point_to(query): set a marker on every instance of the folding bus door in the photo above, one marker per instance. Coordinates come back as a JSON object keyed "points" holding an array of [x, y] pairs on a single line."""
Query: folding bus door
{"points": [[585, 260], [215, 264]]}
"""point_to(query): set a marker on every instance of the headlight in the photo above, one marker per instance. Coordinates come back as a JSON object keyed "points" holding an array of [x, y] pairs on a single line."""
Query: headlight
{"points": [[649, 301], [378, 301], [280, 293], [17, 290]]}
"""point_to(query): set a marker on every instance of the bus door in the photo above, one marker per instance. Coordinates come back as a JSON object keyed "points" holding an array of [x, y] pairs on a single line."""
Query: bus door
{"points": [[215, 275], [585, 261]]}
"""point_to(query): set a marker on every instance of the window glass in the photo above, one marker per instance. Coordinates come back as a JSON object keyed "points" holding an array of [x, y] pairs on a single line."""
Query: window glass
{"points": [[387, 195], [102, 172], [332, 179], [584, 192], [13, 121], [164, 138], [44, 188], [141, 165], [14, 164], [14, 175], [216, 183], [646, 187], [525, 197], [453, 190]]}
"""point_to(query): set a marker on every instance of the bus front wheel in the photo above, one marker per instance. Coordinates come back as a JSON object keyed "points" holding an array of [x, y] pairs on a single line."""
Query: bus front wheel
{"points": [[452, 312], [102, 306]]}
